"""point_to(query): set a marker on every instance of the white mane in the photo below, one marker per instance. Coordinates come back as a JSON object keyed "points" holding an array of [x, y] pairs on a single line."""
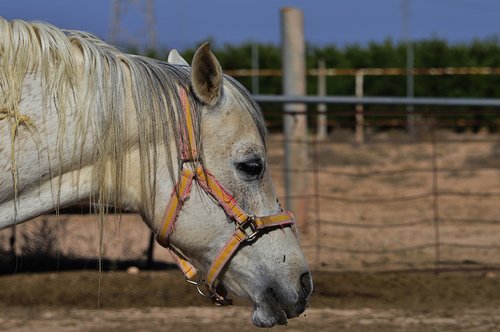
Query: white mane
{"points": [[98, 78]]}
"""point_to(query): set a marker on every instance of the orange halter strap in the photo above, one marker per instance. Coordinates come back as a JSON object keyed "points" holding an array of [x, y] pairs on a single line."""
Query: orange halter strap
{"points": [[248, 227]]}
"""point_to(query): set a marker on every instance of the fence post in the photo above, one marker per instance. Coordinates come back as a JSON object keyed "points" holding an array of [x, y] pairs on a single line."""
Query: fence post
{"points": [[360, 117], [150, 250], [295, 120], [322, 119], [255, 68], [12, 243], [435, 200]]}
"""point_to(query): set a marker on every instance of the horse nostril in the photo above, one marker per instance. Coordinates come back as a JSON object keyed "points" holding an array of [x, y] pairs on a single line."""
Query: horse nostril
{"points": [[306, 283]]}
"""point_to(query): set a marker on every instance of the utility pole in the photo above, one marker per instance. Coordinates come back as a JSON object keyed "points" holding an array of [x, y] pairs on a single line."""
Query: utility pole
{"points": [[147, 12], [116, 13], [295, 117], [151, 24], [117, 35]]}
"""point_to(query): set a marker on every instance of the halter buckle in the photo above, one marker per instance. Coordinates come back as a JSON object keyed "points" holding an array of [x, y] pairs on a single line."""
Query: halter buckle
{"points": [[249, 223]]}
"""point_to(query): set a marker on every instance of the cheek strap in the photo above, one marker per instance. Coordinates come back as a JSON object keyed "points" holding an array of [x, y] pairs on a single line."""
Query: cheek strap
{"points": [[248, 227]]}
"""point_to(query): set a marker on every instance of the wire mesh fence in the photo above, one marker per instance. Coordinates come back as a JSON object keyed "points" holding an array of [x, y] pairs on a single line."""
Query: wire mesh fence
{"points": [[402, 202]]}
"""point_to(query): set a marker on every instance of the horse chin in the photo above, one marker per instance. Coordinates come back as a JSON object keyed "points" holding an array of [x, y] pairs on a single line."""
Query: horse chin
{"points": [[274, 302], [273, 308], [268, 316], [270, 308]]}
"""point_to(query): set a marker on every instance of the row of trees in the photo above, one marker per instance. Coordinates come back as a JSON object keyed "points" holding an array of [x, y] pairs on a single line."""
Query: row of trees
{"points": [[427, 53], [387, 54]]}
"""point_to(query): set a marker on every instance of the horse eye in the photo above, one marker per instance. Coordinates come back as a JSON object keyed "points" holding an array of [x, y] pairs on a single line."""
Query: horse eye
{"points": [[251, 168]]}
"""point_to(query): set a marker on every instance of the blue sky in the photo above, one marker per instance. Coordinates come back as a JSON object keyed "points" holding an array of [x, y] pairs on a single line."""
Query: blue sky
{"points": [[183, 23]]}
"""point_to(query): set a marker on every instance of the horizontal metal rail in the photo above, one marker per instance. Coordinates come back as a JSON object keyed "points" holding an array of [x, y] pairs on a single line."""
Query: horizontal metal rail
{"points": [[418, 247], [432, 71], [416, 101]]}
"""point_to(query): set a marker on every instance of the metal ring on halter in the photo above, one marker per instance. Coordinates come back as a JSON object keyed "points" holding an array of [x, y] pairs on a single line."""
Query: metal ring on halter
{"points": [[212, 293], [198, 284], [219, 300], [251, 222]]}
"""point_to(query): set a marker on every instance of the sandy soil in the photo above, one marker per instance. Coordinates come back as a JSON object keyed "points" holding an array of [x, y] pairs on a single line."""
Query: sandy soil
{"points": [[160, 301], [205, 319]]}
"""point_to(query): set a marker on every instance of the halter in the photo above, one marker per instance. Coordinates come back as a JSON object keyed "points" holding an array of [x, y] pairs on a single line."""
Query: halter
{"points": [[248, 226]]}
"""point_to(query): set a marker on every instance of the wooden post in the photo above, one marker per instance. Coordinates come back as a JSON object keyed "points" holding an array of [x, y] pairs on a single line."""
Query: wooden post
{"points": [[360, 117], [150, 250], [295, 120], [322, 130], [12, 243], [255, 68]]}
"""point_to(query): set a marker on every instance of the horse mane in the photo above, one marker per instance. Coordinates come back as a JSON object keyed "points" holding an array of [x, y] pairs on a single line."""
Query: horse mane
{"points": [[99, 91]]}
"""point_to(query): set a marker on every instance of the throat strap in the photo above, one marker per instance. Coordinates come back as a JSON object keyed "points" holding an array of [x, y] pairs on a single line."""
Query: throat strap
{"points": [[179, 195]]}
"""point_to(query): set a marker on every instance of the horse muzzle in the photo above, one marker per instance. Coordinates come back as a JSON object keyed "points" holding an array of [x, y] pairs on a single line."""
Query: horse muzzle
{"points": [[280, 302]]}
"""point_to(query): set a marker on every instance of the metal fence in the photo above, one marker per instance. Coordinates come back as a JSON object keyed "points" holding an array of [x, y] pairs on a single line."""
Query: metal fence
{"points": [[434, 205]]}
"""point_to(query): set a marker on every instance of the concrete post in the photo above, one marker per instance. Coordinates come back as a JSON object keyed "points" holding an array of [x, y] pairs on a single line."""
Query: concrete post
{"points": [[295, 120], [360, 117], [322, 119]]}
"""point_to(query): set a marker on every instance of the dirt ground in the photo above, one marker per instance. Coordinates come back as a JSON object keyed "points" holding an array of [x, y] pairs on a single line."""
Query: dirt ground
{"points": [[347, 234], [162, 301]]}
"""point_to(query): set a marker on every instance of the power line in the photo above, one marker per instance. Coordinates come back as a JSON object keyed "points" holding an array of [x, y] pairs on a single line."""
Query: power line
{"points": [[472, 5]]}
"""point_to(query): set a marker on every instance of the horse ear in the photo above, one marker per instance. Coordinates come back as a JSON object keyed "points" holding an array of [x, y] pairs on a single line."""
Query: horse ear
{"points": [[176, 59], [206, 75]]}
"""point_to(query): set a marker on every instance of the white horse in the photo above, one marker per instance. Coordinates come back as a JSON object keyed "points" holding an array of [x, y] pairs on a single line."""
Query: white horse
{"points": [[81, 122]]}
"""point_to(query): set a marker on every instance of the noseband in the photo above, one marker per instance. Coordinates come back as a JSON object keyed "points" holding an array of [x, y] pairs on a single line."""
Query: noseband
{"points": [[248, 226]]}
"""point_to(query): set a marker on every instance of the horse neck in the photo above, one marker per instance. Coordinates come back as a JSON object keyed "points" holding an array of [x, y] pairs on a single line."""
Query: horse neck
{"points": [[55, 163]]}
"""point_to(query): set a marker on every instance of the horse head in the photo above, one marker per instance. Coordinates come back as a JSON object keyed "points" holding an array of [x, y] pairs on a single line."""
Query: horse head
{"points": [[269, 268]]}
